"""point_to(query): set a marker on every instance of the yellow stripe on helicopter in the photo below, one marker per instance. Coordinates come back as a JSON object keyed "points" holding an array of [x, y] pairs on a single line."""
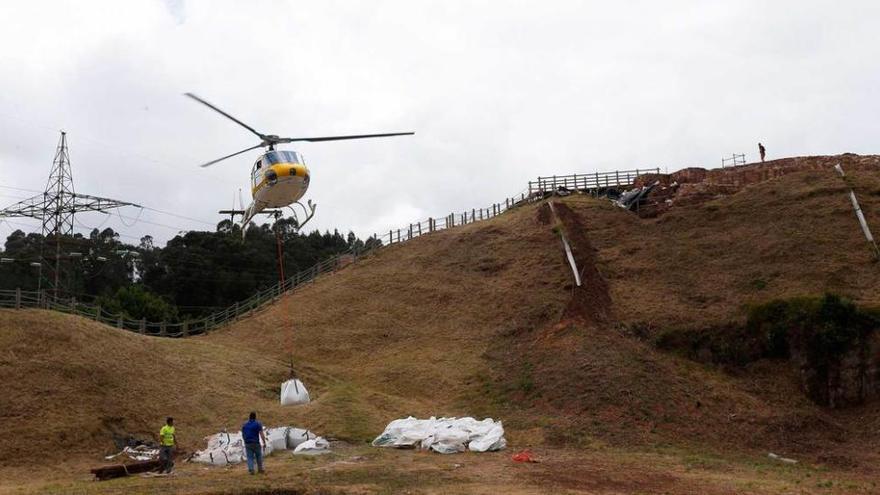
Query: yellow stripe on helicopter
{"points": [[282, 170]]}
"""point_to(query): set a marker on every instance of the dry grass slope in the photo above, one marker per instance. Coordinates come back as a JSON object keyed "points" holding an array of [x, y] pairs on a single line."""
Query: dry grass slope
{"points": [[406, 331], [70, 384], [482, 320], [701, 265]]}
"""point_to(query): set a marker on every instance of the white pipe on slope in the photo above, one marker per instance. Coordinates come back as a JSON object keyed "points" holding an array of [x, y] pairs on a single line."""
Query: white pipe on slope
{"points": [[568, 253], [859, 214]]}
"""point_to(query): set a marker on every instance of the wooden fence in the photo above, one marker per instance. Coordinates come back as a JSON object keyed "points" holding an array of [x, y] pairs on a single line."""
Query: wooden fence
{"points": [[593, 183], [733, 160], [18, 299]]}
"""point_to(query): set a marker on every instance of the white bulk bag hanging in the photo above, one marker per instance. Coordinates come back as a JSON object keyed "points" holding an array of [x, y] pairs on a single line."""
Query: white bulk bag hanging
{"points": [[293, 393]]}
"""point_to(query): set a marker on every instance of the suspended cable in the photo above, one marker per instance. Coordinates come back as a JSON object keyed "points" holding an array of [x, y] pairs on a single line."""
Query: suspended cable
{"points": [[13, 196], [213, 224], [21, 189], [99, 227], [172, 227], [140, 212]]}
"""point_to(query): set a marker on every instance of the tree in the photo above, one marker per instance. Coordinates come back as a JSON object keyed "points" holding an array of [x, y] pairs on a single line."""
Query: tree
{"points": [[134, 302]]}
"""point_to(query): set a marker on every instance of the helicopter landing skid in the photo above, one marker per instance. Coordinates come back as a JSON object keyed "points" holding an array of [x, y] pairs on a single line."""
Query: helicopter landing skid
{"points": [[309, 213]]}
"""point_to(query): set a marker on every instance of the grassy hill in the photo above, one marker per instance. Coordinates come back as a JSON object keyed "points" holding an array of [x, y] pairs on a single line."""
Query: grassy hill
{"points": [[70, 385], [484, 320]]}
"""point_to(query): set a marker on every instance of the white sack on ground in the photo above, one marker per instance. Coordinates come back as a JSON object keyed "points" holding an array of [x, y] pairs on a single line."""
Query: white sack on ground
{"points": [[228, 448], [222, 449], [316, 446], [276, 438], [296, 436], [293, 393], [444, 435]]}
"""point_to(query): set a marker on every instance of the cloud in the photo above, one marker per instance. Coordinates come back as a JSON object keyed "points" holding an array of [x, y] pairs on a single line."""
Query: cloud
{"points": [[177, 9]]}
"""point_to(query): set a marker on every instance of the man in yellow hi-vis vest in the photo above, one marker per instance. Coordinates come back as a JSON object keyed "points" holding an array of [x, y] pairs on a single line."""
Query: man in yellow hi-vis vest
{"points": [[166, 445]]}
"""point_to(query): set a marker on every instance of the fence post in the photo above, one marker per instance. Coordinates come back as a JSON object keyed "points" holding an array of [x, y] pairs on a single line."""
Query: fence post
{"points": [[186, 328], [390, 237], [410, 231], [430, 224], [119, 323], [18, 298], [235, 311], [163, 330], [420, 228], [98, 313], [142, 328]]}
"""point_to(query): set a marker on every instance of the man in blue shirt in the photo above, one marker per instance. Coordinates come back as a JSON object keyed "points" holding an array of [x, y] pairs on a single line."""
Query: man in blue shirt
{"points": [[252, 432]]}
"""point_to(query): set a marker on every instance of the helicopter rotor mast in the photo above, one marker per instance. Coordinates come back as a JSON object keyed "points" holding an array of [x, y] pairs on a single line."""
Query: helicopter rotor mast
{"points": [[270, 140]]}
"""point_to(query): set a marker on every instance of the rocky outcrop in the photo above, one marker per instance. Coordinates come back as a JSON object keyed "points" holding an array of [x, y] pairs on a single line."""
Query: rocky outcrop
{"points": [[696, 185]]}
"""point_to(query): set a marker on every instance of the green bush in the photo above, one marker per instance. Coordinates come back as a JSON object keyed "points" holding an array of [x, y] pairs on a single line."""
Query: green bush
{"points": [[820, 329], [135, 302], [823, 328]]}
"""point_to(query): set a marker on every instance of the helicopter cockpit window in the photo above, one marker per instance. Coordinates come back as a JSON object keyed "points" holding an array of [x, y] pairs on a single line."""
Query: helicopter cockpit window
{"points": [[271, 158], [274, 157]]}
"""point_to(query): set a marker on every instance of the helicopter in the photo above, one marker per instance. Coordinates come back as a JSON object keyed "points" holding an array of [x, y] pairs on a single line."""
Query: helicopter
{"points": [[279, 178]]}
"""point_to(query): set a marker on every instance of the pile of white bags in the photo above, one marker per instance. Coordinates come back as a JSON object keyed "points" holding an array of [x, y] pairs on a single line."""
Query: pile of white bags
{"points": [[228, 448], [293, 393], [444, 435]]}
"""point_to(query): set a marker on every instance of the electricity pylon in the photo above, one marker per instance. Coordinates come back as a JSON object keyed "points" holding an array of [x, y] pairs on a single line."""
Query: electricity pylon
{"points": [[58, 204]]}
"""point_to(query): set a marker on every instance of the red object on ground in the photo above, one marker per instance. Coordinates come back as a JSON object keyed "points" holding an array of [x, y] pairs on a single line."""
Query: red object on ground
{"points": [[523, 456]]}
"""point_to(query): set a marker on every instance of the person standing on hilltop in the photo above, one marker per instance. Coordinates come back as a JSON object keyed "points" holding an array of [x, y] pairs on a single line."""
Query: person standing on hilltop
{"points": [[251, 432], [166, 445], [762, 151]]}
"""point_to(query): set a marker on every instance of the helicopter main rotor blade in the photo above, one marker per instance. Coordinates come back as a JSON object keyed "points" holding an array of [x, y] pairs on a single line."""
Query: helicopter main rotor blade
{"points": [[339, 138], [221, 112], [230, 156]]}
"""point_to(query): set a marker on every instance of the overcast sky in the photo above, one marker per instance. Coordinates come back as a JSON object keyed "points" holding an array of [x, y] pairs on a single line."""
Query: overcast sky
{"points": [[497, 93]]}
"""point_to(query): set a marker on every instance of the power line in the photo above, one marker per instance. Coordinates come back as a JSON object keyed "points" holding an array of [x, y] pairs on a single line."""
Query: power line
{"points": [[21, 189], [213, 224], [136, 220], [12, 196]]}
